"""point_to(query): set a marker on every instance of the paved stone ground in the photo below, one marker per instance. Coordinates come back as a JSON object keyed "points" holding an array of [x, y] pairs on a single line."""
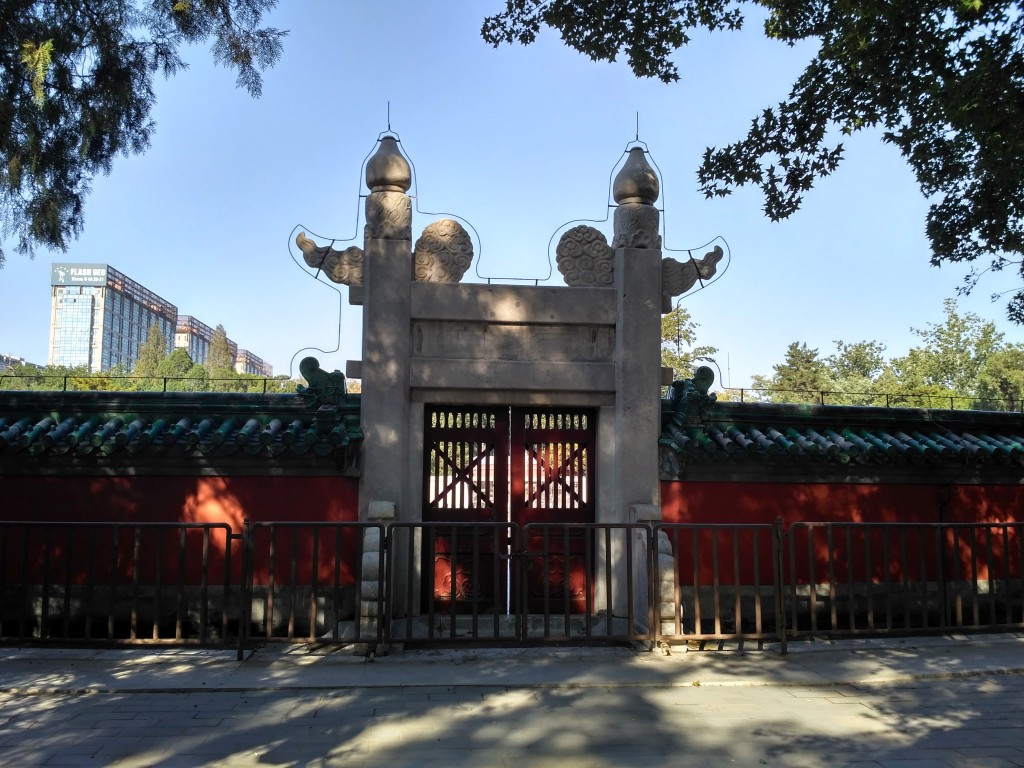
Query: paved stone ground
{"points": [[975, 720]]}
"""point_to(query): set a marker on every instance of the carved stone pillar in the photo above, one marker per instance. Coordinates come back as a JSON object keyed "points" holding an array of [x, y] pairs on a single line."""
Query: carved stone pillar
{"points": [[386, 343]]}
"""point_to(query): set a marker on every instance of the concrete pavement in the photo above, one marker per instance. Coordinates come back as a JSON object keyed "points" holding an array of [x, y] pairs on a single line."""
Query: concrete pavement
{"points": [[912, 702]]}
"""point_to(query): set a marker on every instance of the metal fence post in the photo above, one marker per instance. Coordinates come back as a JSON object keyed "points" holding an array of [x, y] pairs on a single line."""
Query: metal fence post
{"points": [[778, 537], [245, 590]]}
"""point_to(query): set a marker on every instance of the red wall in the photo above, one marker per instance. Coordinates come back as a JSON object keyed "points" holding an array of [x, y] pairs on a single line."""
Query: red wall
{"points": [[727, 554], [180, 499], [153, 499], [702, 502]]}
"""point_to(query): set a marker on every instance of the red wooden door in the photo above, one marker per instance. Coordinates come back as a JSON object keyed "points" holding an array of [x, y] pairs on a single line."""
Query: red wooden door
{"points": [[553, 482], [465, 481], [515, 468]]}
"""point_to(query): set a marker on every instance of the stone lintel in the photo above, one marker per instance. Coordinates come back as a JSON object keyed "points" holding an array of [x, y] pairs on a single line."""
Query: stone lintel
{"points": [[454, 340], [535, 398], [514, 304], [509, 375]]}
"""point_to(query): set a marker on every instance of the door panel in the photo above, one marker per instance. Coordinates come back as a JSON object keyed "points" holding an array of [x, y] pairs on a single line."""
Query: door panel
{"points": [[521, 466], [465, 480], [552, 481]]}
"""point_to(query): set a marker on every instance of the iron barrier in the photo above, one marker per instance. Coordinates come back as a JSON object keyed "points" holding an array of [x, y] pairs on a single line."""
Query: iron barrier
{"points": [[497, 582], [313, 582], [849, 579], [500, 583], [115, 583], [719, 582]]}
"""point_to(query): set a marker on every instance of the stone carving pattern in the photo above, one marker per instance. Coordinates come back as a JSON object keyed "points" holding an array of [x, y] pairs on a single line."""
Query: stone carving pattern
{"points": [[584, 258], [388, 216], [443, 253], [636, 226], [345, 267], [677, 277]]}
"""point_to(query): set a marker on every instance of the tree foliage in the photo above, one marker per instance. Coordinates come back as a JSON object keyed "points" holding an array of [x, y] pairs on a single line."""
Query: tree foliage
{"points": [[942, 79], [962, 361], [77, 90], [218, 359], [151, 354], [799, 378], [678, 336]]}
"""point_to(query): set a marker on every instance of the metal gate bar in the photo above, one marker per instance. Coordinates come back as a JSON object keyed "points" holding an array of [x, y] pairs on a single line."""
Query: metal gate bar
{"points": [[58, 580], [926, 577], [330, 583], [549, 549], [437, 583], [731, 587]]}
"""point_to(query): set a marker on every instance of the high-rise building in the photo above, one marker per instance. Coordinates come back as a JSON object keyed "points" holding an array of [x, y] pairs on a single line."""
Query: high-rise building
{"points": [[247, 362], [194, 336], [9, 361], [99, 317]]}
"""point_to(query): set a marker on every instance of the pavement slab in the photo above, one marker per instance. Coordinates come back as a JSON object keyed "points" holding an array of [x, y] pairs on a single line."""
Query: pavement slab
{"points": [[945, 701]]}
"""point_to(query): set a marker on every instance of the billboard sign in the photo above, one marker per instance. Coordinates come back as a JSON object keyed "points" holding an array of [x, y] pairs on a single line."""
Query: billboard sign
{"points": [[78, 274]]}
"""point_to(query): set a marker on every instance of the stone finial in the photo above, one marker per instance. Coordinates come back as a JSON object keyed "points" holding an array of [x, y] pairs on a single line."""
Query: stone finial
{"points": [[388, 208], [388, 170], [635, 189], [636, 181], [443, 253], [585, 259]]}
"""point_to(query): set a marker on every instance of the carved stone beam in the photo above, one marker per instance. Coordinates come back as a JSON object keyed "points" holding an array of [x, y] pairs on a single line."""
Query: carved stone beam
{"points": [[345, 267], [677, 277]]}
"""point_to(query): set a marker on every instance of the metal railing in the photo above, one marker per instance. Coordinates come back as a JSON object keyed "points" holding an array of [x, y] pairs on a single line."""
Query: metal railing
{"points": [[848, 579], [44, 382], [118, 582], [877, 399], [501, 582], [451, 583], [305, 582], [719, 582]]}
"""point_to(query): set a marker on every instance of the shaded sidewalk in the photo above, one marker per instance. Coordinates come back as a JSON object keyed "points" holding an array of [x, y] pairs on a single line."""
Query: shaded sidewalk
{"points": [[294, 667]]}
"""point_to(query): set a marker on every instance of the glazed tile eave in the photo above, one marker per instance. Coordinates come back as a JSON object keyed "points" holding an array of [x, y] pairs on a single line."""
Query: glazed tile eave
{"points": [[102, 424], [793, 434]]}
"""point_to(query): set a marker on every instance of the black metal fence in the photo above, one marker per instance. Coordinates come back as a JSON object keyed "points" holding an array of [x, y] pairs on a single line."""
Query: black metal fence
{"points": [[848, 579], [313, 582], [117, 582], [499, 583], [719, 582], [505, 583]]}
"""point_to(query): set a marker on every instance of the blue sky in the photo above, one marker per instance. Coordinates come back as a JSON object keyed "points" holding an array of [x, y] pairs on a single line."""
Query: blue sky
{"points": [[518, 142]]}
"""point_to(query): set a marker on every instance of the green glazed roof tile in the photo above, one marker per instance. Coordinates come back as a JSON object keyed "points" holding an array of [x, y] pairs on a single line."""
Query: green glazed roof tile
{"points": [[743, 432], [102, 424]]}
